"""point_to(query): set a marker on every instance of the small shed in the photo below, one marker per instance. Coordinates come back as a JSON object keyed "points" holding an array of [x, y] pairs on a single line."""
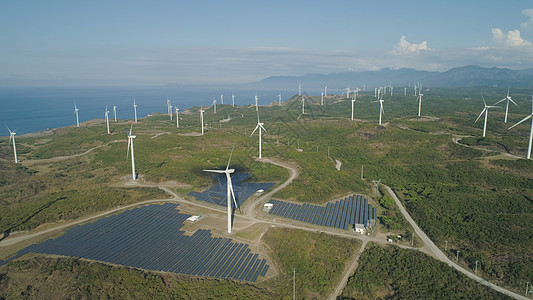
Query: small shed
{"points": [[267, 206], [193, 218]]}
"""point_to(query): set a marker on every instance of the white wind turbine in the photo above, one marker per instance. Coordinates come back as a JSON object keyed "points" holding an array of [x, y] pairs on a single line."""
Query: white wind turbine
{"points": [[506, 99], [76, 113], [347, 92], [221, 99], [135, 109], [233, 99], [12, 138], [202, 117], [115, 112], [303, 105], [214, 106], [256, 108], [177, 117], [321, 98], [168, 106], [279, 99], [107, 119], [130, 144], [380, 107], [299, 89], [325, 90], [530, 131], [260, 127], [229, 187], [171, 113], [486, 111], [419, 102]]}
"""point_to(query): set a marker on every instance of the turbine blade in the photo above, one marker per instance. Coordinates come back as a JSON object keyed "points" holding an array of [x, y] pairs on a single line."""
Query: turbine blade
{"points": [[512, 101], [131, 128], [255, 129], [229, 160], [215, 171], [523, 120], [501, 101], [232, 192], [480, 114], [262, 127], [128, 151], [484, 100]]}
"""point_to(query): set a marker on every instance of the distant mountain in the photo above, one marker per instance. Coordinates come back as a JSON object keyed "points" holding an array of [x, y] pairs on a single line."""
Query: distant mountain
{"points": [[466, 76]]}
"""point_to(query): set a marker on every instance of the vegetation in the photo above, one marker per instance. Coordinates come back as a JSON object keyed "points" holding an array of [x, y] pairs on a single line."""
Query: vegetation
{"points": [[66, 278], [316, 258], [394, 273]]}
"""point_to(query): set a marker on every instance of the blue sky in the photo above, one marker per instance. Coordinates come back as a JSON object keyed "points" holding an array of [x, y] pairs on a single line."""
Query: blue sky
{"points": [[227, 42]]}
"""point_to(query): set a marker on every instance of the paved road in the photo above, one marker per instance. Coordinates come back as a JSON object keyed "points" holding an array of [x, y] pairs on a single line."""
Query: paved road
{"points": [[441, 256]]}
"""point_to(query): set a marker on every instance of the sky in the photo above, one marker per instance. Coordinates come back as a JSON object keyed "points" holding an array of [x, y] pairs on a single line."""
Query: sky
{"points": [[230, 42]]}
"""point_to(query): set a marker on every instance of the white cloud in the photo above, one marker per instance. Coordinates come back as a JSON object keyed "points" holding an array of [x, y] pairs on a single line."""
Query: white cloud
{"points": [[405, 48], [529, 13], [512, 39]]}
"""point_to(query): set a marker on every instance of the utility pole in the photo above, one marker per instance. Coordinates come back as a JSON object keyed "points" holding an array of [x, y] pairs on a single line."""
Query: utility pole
{"points": [[294, 284]]}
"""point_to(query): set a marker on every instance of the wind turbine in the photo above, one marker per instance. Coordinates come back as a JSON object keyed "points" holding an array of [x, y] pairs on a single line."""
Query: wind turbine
{"points": [[214, 106], [135, 109], [130, 144], [202, 117], [232, 99], [279, 99], [229, 187], [325, 90], [299, 89], [508, 98], [523, 120], [221, 99], [303, 105], [76, 113], [107, 119], [486, 111], [347, 92], [177, 117], [259, 126], [256, 109], [380, 107], [419, 102], [170, 112], [115, 112], [12, 138], [322, 99]]}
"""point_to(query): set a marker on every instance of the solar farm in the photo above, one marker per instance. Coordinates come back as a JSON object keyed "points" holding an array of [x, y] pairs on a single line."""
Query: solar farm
{"points": [[150, 238], [342, 214], [243, 190]]}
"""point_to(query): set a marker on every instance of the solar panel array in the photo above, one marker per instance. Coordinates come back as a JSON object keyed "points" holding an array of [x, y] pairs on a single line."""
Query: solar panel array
{"points": [[342, 214], [149, 238], [243, 190]]}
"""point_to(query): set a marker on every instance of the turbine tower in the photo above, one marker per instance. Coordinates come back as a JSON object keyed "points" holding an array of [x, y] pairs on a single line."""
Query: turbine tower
{"points": [[506, 99], [229, 187], [177, 117], [221, 99], [325, 90], [214, 106], [486, 111], [299, 89], [115, 112], [135, 109], [12, 138], [170, 112], [107, 119], [303, 105], [380, 107], [232, 99], [279, 99], [321, 98], [523, 120], [202, 117], [419, 102], [353, 102], [76, 113], [256, 109], [260, 127], [347, 92], [130, 144]]}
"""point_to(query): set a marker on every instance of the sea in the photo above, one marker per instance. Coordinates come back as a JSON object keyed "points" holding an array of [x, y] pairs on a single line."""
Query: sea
{"points": [[33, 109]]}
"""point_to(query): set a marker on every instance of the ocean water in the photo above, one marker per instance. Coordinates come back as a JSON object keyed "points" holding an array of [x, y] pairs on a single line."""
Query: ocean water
{"points": [[28, 110]]}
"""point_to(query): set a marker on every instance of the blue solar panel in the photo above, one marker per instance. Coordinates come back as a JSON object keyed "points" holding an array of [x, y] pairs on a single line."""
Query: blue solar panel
{"points": [[149, 237]]}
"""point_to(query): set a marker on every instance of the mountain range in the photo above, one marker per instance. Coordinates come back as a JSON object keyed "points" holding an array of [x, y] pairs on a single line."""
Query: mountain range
{"points": [[467, 76]]}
